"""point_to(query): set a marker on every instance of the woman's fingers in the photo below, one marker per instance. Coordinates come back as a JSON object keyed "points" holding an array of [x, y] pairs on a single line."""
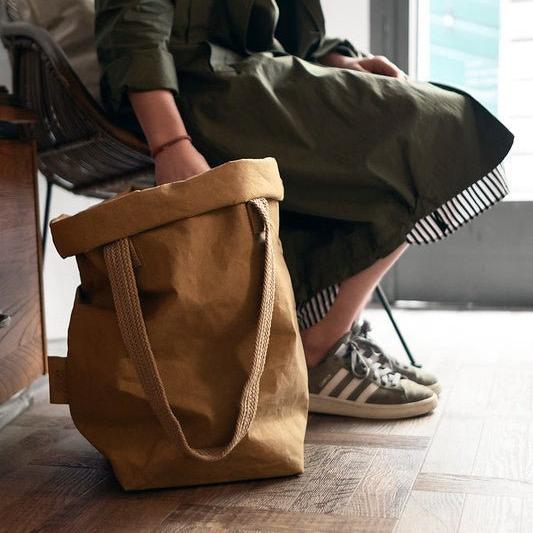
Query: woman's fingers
{"points": [[381, 65], [369, 64], [359, 67], [378, 65]]}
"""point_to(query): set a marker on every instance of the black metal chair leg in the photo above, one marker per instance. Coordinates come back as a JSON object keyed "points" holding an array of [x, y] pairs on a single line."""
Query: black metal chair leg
{"points": [[385, 302], [48, 199]]}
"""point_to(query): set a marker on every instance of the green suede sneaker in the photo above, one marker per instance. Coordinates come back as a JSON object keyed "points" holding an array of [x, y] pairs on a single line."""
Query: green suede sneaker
{"points": [[347, 383], [374, 352]]}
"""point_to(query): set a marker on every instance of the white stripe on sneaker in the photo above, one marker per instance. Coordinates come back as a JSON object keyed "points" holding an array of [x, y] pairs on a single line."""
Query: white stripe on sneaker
{"points": [[363, 397], [334, 381], [349, 388]]}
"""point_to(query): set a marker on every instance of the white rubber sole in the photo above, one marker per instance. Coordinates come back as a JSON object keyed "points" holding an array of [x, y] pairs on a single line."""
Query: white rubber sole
{"points": [[334, 406]]}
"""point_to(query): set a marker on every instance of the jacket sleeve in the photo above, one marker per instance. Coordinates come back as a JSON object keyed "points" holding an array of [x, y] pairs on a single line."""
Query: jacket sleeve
{"points": [[336, 44], [132, 47], [301, 30]]}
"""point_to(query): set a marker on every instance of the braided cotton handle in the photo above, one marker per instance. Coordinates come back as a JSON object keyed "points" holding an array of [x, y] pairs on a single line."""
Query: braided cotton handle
{"points": [[133, 329]]}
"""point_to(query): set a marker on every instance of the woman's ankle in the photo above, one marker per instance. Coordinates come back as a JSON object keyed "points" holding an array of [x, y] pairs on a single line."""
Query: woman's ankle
{"points": [[312, 359], [318, 340]]}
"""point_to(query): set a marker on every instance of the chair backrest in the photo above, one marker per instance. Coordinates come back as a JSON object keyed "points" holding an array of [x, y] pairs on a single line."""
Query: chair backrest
{"points": [[79, 148]]}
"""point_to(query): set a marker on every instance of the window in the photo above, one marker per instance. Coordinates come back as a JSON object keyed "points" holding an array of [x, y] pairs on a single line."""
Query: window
{"points": [[485, 47]]}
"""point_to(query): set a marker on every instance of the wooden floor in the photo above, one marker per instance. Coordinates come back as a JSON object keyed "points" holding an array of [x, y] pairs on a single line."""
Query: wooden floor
{"points": [[468, 467]]}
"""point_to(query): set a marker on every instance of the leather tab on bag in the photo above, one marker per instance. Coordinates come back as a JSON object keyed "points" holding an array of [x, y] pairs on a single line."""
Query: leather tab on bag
{"points": [[57, 370]]}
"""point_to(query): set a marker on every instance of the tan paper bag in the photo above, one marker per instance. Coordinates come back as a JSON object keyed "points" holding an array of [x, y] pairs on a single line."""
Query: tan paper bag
{"points": [[185, 364]]}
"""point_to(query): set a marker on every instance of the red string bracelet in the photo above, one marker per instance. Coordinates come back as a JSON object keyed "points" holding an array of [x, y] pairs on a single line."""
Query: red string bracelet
{"points": [[172, 141]]}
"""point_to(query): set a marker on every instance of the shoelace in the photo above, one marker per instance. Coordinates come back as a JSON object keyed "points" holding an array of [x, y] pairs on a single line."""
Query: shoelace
{"points": [[378, 353], [363, 366]]}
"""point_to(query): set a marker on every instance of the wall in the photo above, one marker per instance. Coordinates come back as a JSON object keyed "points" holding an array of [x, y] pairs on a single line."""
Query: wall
{"points": [[349, 19]]}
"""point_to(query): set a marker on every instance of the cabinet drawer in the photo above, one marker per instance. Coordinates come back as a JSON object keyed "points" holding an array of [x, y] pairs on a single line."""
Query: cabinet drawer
{"points": [[21, 340]]}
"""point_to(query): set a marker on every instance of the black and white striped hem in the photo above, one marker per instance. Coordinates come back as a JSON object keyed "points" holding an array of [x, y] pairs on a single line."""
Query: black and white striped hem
{"points": [[434, 227], [461, 209], [316, 308]]}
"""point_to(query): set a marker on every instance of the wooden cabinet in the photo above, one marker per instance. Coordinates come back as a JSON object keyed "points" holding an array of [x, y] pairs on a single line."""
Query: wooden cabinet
{"points": [[22, 346]]}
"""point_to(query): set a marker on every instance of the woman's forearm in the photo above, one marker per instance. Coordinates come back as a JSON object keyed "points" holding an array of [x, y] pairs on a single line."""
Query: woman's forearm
{"points": [[161, 122], [158, 115]]}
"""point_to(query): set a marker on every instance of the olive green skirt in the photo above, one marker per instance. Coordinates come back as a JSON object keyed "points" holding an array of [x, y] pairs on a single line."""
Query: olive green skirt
{"points": [[368, 161]]}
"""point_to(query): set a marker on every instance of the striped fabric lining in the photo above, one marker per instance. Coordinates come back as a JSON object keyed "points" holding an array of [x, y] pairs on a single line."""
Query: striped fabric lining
{"points": [[442, 222], [316, 308], [461, 209]]}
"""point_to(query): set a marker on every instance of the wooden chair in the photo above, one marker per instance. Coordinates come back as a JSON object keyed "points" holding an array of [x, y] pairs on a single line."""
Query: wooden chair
{"points": [[79, 148]]}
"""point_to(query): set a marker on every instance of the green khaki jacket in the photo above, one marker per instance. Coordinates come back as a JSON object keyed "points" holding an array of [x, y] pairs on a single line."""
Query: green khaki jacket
{"points": [[143, 44], [363, 157]]}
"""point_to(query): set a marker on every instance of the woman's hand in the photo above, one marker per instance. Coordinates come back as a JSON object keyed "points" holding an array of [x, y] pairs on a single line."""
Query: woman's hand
{"points": [[372, 64], [178, 162], [161, 121]]}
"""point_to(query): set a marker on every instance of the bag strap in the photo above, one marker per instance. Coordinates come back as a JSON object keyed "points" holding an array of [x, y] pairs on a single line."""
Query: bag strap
{"points": [[133, 329]]}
